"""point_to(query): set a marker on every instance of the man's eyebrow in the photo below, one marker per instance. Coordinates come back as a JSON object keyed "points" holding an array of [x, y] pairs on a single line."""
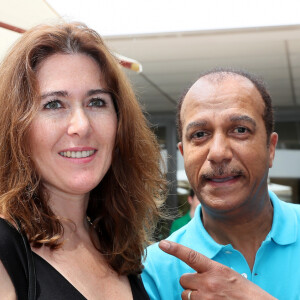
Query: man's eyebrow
{"points": [[55, 93], [196, 124], [243, 118]]}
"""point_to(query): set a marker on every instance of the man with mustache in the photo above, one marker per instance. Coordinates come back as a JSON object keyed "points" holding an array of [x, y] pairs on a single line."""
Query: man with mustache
{"points": [[243, 243]]}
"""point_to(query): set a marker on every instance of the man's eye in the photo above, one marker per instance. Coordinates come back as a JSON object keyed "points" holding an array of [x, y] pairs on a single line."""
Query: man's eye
{"points": [[240, 130], [199, 134], [55, 104], [97, 102]]}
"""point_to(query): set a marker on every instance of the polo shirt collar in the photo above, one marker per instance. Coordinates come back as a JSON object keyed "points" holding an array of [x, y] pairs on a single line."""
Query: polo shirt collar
{"points": [[285, 224], [196, 237]]}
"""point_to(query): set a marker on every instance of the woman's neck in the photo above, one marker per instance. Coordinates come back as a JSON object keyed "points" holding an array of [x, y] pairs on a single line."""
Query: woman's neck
{"points": [[70, 208]]}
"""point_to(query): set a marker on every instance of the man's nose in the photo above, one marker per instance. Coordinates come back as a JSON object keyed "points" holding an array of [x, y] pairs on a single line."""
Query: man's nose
{"points": [[219, 149], [79, 123]]}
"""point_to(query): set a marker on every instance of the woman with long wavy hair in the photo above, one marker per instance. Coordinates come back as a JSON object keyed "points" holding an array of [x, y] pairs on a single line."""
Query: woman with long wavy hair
{"points": [[79, 169]]}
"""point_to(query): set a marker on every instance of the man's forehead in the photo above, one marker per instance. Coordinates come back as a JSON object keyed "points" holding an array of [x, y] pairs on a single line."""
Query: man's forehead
{"points": [[211, 82], [217, 88], [213, 86]]}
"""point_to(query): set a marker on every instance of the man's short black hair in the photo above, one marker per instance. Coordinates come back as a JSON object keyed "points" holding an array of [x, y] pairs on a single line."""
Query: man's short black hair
{"points": [[223, 73]]}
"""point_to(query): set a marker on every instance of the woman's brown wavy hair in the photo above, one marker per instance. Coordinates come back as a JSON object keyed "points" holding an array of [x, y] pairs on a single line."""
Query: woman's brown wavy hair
{"points": [[125, 205]]}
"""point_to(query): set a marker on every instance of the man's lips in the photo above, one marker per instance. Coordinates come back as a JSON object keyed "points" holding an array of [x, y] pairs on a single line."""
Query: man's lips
{"points": [[222, 179], [221, 176]]}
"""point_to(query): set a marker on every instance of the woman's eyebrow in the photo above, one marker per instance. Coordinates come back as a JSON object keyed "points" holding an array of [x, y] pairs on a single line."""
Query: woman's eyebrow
{"points": [[65, 93], [98, 91], [55, 93]]}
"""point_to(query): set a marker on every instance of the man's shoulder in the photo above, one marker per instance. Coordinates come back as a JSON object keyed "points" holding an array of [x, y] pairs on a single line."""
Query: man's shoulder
{"points": [[286, 222], [289, 206], [292, 206]]}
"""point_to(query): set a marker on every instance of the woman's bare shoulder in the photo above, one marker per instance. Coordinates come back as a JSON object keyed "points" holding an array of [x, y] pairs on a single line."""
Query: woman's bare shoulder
{"points": [[7, 290]]}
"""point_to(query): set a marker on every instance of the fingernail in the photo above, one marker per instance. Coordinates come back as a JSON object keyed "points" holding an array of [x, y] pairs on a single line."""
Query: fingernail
{"points": [[164, 245]]}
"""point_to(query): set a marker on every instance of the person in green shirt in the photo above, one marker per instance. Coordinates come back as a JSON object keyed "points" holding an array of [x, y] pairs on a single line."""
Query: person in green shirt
{"points": [[180, 222]]}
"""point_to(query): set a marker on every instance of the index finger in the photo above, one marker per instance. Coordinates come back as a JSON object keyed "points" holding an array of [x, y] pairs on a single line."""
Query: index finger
{"points": [[194, 259]]}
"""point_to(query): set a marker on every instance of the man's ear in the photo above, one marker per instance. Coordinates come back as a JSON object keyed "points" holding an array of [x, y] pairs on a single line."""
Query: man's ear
{"points": [[180, 147], [190, 200], [272, 147]]}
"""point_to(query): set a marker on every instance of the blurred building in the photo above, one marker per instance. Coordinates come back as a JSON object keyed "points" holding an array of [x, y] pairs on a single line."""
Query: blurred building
{"points": [[172, 62]]}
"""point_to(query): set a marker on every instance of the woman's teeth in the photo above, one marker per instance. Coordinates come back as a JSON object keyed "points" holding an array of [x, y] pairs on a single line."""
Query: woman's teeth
{"points": [[77, 154]]}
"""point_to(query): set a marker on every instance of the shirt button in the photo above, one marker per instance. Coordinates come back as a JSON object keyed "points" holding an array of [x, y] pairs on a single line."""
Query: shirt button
{"points": [[244, 275], [228, 252]]}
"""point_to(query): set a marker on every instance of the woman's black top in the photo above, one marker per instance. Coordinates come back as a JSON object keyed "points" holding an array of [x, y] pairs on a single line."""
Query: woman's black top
{"points": [[50, 283]]}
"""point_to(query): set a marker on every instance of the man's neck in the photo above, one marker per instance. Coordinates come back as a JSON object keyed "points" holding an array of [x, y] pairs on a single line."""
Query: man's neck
{"points": [[244, 232], [192, 212]]}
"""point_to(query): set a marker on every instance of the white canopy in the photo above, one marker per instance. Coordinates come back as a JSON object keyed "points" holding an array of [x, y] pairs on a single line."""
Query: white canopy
{"points": [[19, 15]]}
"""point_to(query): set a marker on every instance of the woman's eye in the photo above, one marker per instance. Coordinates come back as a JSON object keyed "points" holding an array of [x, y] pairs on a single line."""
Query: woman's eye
{"points": [[96, 102], [55, 104]]}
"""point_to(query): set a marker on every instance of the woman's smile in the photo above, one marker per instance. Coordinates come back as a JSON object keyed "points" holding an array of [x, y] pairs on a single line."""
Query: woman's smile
{"points": [[77, 154]]}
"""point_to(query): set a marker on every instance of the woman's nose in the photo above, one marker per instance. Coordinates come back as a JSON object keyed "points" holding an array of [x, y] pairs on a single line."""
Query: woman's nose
{"points": [[79, 123]]}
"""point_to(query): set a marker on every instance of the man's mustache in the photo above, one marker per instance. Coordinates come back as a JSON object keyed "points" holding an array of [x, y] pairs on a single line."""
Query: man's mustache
{"points": [[220, 171]]}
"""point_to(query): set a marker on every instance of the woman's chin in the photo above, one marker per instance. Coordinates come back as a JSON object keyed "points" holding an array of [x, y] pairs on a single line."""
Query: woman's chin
{"points": [[81, 189], [72, 188]]}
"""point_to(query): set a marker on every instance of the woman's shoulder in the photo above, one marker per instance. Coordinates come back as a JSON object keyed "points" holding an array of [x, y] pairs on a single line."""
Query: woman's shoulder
{"points": [[7, 290], [137, 287], [11, 243], [7, 231], [13, 258]]}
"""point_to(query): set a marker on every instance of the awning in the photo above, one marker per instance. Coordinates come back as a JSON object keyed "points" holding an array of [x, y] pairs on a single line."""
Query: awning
{"points": [[19, 15]]}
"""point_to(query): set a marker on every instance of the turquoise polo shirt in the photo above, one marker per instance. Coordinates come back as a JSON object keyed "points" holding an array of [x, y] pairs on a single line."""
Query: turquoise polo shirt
{"points": [[277, 263]]}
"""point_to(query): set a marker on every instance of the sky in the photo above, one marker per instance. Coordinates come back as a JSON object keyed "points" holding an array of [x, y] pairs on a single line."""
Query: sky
{"points": [[119, 17]]}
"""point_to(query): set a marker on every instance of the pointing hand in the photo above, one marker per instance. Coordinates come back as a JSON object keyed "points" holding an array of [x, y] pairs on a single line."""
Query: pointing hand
{"points": [[212, 280]]}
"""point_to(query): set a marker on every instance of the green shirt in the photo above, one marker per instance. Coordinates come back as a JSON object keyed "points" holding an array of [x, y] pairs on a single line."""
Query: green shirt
{"points": [[178, 223]]}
